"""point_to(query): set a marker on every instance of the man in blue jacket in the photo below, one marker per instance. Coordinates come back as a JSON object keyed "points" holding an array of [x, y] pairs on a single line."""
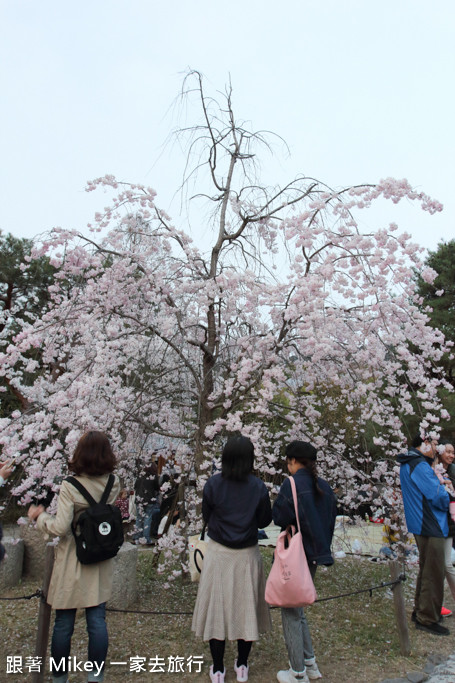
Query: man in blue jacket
{"points": [[426, 505]]}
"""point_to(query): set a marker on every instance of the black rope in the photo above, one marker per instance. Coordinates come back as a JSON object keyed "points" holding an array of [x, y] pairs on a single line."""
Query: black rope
{"points": [[384, 584], [370, 590], [132, 611], [38, 594]]}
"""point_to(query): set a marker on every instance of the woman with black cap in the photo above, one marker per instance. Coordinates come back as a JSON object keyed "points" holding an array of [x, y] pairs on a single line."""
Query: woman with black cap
{"points": [[317, 512]]}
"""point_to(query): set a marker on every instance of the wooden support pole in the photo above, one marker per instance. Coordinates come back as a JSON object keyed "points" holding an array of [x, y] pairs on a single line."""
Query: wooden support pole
{"points": [[400, 611], [44, 617]]}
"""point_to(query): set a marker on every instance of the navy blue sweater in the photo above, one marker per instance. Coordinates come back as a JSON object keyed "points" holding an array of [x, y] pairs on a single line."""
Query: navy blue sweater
{"points": [[235, 510], [316, 514]]}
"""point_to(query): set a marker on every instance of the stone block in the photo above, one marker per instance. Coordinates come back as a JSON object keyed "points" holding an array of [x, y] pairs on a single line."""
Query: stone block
{"points": [[417, 677], [11, 567], [34, 551], [124, 587]]}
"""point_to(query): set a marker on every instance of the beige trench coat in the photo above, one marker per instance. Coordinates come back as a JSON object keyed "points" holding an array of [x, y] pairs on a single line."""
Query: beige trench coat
{"points": [[74, 584]]}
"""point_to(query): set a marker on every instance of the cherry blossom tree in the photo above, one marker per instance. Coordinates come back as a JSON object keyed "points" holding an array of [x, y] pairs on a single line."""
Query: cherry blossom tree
{"points": [[279, 318], [23, 295]]}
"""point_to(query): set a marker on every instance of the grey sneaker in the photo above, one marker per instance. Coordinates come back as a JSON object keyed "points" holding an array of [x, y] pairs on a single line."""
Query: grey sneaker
{"points": [[291, 676], [313, 672]]}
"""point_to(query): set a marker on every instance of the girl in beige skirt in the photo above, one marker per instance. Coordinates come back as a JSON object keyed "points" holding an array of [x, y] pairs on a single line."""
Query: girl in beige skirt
{"points": [[230, 602]]}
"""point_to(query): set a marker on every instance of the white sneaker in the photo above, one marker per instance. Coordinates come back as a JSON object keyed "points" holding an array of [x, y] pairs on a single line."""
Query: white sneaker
{"points": [[241, 671], [217, 677], [313, 671], [291, 676]]}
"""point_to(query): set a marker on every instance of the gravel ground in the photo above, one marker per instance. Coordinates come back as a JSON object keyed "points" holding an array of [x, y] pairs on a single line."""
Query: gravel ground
{"points": [[354, 638]]}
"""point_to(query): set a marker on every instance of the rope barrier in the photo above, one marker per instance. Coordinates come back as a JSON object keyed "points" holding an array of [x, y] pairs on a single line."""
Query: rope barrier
{"points": [[370, 590], [383, 584], [132, 611], [36, 594]]}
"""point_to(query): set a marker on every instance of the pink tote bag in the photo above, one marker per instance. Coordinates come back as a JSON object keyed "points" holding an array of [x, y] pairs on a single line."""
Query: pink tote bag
{"points": [[290, 583]]}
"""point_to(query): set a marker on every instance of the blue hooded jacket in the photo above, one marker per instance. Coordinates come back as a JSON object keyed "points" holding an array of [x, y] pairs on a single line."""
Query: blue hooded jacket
{"points": [[426, 502]]}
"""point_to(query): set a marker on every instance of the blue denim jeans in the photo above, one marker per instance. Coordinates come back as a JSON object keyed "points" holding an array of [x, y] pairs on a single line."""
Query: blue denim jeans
{"points": [[147, 522], [297, 634], [61, 641]]}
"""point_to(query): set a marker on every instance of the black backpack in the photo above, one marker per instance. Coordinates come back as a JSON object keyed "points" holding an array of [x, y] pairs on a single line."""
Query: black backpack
{"points": [[99, 529]]}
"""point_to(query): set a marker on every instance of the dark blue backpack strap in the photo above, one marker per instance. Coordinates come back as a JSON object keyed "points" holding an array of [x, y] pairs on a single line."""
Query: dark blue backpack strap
{"points": [[77, 485]]}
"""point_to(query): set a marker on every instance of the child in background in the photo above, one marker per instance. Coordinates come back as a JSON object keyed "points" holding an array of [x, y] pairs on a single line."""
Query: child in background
{"points": [[123, 503]]}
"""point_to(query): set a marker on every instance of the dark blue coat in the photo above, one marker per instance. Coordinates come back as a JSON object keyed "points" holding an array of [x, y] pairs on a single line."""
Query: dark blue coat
{"points": [[316, 514], [235, 510]]}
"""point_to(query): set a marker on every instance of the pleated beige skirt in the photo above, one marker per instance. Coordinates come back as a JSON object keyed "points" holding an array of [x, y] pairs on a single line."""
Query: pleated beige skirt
{"points": [[230, 602]]}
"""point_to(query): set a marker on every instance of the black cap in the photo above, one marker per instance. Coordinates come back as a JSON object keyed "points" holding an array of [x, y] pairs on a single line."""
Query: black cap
{"points": [[301, 450]]}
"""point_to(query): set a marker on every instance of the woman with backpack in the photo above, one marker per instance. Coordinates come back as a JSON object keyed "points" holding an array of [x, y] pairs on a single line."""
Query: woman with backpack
{"points": [[75, 585], [230, 601], [317, 512]]}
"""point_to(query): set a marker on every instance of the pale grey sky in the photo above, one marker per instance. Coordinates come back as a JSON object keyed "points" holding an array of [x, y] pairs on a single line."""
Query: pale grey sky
{"points": [[359, 90]]}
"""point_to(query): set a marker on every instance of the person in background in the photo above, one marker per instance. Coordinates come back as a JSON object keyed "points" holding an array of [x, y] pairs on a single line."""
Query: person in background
{"points": [[74, 585], [230, 601], [123, 503], [443, 462], [317, 508], [426, 507], [147, 490], [445, 471], [6, 469]]}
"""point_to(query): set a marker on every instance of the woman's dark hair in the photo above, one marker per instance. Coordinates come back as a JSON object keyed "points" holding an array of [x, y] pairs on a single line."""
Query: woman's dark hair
{"points": [[93, 455], [305, 453], [237, 458]]}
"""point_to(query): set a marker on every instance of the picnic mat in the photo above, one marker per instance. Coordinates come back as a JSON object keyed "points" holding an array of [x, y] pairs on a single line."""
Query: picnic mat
{"points": [[365, 538]]}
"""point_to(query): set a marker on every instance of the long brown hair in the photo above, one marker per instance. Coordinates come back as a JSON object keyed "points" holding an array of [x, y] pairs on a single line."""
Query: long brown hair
{"points": [[93, 455]]}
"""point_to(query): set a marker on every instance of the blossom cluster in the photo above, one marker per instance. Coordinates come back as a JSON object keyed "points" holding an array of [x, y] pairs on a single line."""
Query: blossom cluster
{"points": [[150, 336]]}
